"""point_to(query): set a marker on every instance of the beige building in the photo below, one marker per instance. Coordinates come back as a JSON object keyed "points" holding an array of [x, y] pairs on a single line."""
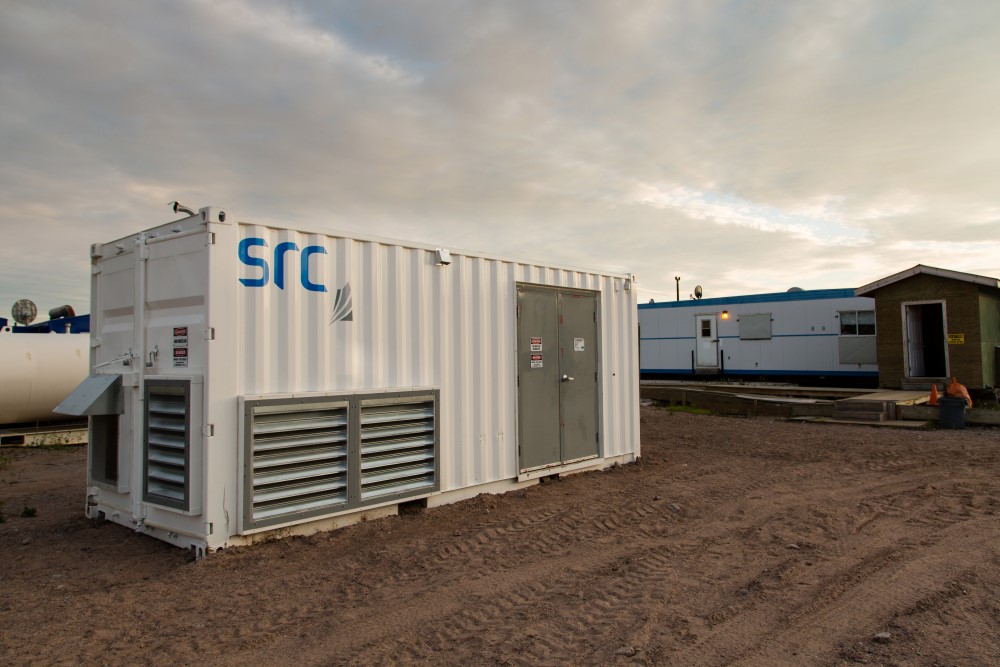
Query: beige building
{"points": [[934, 324]]}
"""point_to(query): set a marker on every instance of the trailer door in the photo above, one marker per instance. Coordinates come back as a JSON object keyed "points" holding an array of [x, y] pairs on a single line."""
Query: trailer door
{"points": [[706, 342]]}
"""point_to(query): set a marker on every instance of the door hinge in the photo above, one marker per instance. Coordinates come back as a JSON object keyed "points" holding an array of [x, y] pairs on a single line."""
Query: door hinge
{"points": [[595, 376]]}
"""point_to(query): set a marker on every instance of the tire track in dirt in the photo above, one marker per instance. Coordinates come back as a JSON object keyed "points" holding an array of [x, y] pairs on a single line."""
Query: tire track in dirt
{"points": [[549, 533], [646, 570], [553, 536], [494, 609], [847, 603], [850, 609], [768, 543], [549, 536]]}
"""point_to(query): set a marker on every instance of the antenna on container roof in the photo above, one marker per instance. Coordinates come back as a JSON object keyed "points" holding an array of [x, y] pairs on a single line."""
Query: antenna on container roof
{"points": [[24, 311], [181, 208]]}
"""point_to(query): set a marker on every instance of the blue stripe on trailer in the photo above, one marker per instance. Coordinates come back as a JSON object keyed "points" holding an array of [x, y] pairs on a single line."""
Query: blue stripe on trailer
{"points": [[804, 295]]}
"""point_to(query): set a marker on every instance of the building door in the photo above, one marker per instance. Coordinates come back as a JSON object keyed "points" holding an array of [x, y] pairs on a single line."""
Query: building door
{"points": [[557, 367], [925, 345], [706, 342]]}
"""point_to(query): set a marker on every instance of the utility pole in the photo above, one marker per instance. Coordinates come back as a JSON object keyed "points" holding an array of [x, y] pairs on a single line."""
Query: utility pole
{"points": [[678, 279]]}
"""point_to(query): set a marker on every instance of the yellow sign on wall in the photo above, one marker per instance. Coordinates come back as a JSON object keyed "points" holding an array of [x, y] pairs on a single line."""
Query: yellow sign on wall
{"points": [[956, 339]]}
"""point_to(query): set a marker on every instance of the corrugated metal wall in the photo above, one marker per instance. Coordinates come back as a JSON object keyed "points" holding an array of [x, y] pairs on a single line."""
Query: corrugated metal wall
{"points": [[418, 324]]}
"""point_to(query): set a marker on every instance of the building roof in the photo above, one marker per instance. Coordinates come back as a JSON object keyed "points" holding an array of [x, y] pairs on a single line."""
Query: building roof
{"points": [[798, 295], [929, 270]]}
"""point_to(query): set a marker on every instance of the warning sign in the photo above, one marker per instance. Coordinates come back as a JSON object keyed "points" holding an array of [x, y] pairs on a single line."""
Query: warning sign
{"points": [[578, 345], [956, 339], [180, 347], [536, 344], [536, 361]]}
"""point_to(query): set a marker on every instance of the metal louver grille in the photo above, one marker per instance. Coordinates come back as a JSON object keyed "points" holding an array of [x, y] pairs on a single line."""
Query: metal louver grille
{"points": [[397, 448], [167, 470], [306, 457], [299, 459]]}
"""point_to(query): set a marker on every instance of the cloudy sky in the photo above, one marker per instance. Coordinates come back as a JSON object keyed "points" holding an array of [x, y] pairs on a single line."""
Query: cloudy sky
{"points": [[744, 146]]}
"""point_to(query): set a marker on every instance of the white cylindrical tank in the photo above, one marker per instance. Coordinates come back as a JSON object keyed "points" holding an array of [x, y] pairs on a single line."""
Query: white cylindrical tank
{"points": [[37, 371]]}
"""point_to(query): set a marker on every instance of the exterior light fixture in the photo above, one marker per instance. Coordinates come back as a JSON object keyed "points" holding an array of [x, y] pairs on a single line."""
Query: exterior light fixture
{"points": [[442, 256], [725, 314]]}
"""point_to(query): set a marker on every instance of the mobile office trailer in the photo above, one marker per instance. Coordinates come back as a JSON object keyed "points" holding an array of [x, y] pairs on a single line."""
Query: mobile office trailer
{"points": [[805, 336], [248, 379]]}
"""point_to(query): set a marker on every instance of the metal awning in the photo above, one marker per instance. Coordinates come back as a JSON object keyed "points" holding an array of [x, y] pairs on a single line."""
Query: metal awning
{"points": [[97, 395]]}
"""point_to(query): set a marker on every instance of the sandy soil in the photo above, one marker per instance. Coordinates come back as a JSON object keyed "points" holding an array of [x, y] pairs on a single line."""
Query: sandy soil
{"points": [[732, 542]]}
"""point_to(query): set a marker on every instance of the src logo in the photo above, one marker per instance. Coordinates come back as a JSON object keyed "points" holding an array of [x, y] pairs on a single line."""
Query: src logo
{"points": [[279, 260], [342, 308]]}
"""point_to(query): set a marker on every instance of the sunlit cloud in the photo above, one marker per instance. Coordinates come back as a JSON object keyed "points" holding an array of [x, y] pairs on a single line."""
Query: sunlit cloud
{"points": [[282, 28], [746, 147]]}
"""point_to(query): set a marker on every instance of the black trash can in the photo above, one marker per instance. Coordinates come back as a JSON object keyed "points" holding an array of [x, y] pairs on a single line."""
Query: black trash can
{"points": [[952, 412]]}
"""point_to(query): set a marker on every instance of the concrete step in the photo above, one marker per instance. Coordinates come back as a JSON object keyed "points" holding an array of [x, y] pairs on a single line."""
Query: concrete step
{"points": [[861, 416], [858, 405], [923, 386]]}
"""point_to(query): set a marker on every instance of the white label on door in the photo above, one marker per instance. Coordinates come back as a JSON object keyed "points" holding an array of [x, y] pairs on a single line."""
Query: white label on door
{"points": [[536, 361], [536, 344], [578, 345]]}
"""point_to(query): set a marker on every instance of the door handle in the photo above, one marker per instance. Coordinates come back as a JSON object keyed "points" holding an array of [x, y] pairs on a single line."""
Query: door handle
{"points": [[566, 378]]}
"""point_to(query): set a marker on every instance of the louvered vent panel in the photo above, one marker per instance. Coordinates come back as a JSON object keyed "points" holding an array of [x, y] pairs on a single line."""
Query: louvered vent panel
{"points": [[299, 460], [397, 448], [167, 444]]}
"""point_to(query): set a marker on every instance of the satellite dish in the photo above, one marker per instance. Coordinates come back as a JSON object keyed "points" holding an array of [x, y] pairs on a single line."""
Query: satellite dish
{"points": [[697, 291], [24, 312]]}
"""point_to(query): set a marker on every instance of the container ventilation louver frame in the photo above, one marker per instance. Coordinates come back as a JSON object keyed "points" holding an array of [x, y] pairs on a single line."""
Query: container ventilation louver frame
{"points": [[167, 444], [397, 446], [306, 457], [298, 458]]}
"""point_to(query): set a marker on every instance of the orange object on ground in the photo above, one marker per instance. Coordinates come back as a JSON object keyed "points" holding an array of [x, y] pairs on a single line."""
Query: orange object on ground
{"points": [[934, 395], [957, 390]]}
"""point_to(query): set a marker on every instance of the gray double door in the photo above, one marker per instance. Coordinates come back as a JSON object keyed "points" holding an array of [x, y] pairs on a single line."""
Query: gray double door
{"points": [[557, 366]]}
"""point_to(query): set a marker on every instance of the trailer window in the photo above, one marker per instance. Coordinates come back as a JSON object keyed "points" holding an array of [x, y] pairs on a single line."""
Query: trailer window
{"points": [[857, 323], [755, 326]]}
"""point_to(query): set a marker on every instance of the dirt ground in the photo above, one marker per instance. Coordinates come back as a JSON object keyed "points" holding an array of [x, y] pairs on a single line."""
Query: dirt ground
{"points": [[732, 541]]}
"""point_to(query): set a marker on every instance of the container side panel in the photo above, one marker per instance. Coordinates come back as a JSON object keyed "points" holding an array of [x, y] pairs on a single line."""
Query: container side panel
{"points": [[112, 310], [176, 288], [619, 368], [391, 317]]}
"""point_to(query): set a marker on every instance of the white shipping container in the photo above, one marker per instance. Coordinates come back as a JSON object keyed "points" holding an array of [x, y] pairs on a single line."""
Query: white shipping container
{"points": [[248, 378]]}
